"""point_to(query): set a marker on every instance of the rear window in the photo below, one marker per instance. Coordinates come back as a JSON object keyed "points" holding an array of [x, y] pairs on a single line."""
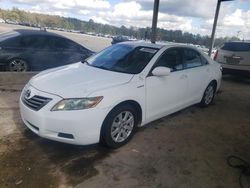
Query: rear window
{"points": [[236, 46]]}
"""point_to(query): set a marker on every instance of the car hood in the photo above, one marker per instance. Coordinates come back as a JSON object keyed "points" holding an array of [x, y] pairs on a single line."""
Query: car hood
{"points": [[77, 80]]}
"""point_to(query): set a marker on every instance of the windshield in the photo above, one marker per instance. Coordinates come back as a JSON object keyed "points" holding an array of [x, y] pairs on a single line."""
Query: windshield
{"points": [[7, 35], [123, 58]]}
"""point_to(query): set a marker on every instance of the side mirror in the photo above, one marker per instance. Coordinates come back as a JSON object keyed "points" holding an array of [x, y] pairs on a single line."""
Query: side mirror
{"points": [[161, 71]]}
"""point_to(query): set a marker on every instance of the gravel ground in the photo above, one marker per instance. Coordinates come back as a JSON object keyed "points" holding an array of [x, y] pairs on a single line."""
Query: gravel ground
{"points": [[186, 149]]}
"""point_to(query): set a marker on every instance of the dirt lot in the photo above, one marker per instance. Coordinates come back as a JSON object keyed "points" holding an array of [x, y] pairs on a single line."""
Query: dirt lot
{"points": [[187, 149]]}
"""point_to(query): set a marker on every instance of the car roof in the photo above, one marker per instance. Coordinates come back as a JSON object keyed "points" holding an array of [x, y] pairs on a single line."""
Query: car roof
{"points": [[142, 43], [238, 42], [157, 45], [35, 32]]}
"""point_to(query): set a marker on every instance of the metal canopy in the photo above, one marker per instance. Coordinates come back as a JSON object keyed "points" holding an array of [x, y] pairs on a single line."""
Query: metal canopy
{"points": [[155, 17], [154, 21], [214, 25]]}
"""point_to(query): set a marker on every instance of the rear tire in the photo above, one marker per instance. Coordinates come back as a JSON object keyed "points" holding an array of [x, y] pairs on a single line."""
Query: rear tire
{"points": [[208, 95], [119, 126], [17, 65]]}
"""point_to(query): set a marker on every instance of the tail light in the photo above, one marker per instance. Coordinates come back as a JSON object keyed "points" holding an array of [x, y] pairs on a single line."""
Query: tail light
{"points": [[215, 55]]}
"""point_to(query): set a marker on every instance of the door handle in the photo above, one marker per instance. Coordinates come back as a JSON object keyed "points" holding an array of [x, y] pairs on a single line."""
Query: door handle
{"points": [[184, 76]]}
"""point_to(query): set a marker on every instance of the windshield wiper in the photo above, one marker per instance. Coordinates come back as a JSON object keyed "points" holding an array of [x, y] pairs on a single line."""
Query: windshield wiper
{"points": [[102, 67], [85, 61]]}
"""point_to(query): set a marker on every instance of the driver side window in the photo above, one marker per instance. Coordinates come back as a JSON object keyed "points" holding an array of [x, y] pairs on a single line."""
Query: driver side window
{"points": [[172, 59]]}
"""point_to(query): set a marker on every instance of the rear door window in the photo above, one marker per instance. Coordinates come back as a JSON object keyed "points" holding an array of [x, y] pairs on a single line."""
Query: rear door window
{"points": [[63, 44], [54, 43], [72, 45], [192, 58]]}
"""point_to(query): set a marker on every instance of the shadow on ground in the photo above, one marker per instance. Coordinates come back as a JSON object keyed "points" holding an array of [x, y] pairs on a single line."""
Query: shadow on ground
{"points": [[36, 162]]}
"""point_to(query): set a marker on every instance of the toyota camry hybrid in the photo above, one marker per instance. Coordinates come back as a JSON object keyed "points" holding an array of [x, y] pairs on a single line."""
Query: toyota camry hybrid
{"points": [[112, 93]]}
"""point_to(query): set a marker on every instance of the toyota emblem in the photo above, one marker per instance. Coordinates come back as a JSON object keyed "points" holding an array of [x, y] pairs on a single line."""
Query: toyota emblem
{"points": [[27, 94]]}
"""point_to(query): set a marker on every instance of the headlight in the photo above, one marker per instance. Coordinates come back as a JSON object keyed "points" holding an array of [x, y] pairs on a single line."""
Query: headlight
{"points": [[77, 103]]}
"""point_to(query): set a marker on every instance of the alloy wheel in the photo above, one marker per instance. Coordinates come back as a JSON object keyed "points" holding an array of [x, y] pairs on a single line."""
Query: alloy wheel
{"points": [[122, 126], [209, 94], [17, 65]]}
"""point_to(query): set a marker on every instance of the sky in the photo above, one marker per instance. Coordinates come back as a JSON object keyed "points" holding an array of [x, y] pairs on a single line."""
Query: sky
{"points": [[195, 16]]}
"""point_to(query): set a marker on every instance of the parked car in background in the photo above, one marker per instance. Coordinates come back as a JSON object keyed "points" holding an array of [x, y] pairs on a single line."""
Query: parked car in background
{"points": [[111, 94], [2, 20], [119, 38], [234, 57], [11, 22], [33, 50]]}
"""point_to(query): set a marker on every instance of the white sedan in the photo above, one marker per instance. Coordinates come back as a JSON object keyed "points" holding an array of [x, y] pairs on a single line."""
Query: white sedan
{"points": [[108, 96]]}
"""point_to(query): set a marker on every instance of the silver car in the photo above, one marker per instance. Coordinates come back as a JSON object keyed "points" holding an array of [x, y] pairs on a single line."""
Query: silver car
{"points": [[234, 57]]}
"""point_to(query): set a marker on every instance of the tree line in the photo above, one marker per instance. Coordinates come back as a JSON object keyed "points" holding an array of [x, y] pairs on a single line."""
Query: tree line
{"points": [[53, 21]]}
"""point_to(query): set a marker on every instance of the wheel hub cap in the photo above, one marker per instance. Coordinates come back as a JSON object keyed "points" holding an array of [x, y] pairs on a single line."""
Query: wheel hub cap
{"points": [[17, 66], [122, 126], [209, 94]]}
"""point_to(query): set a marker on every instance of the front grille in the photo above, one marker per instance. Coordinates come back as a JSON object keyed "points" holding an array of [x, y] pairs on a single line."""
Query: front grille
{"points": [[36, 102]]}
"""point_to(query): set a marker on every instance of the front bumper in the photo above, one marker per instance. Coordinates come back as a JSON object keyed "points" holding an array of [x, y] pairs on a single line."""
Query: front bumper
{"points": [[80, 127]]}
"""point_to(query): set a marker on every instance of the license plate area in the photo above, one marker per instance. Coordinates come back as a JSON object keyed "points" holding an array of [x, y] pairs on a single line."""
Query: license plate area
{"points": [[233, 60]]}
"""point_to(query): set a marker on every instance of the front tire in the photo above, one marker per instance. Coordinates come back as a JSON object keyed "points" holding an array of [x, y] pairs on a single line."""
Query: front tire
{"points": [[208, 95], [119, 126]]}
